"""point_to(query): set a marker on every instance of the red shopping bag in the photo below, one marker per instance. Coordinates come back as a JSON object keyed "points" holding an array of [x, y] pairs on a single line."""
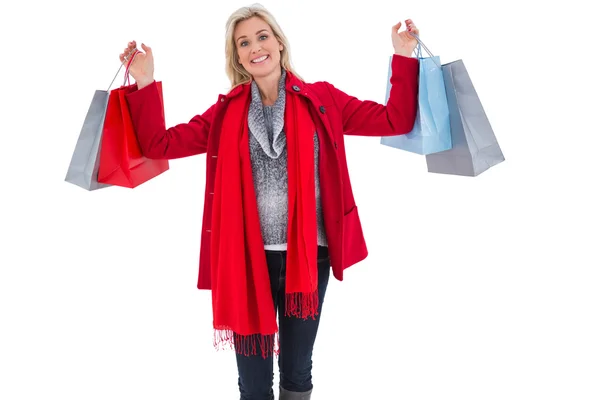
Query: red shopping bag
{"points": [[121, 159]]}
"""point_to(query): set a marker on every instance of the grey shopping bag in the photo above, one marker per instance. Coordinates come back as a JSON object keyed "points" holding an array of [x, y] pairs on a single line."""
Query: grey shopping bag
{"points": [[474, 145], [83, 169], [85, 161]]}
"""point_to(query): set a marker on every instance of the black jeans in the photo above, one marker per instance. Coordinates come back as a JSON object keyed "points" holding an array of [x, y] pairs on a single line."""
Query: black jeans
{"points": [[296, 338]]}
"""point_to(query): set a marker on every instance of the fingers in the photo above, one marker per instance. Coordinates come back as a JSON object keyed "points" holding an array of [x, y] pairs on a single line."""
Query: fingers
{"points": [[128, 51], [411, 27]]}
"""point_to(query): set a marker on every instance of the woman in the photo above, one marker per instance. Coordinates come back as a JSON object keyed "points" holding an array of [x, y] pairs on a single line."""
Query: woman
{"points": [[278, 208]]}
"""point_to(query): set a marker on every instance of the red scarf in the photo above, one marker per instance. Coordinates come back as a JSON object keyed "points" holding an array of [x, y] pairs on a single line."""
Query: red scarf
{"points": [[243, 310]]}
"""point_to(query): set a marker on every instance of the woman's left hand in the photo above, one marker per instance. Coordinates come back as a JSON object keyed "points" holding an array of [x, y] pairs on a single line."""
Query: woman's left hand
{"points": [[404, 43]]}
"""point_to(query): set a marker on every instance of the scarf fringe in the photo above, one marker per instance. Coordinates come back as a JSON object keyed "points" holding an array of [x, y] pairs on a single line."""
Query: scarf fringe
{"points": [[302, 305], [247, 345]]}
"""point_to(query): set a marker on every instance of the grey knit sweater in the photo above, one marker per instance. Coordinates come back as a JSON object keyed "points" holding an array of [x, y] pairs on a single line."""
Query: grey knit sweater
{"points": [[268, 154]]}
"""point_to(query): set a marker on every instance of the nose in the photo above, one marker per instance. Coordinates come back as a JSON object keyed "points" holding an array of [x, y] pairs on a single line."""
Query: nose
{"points": [[256, 48]]}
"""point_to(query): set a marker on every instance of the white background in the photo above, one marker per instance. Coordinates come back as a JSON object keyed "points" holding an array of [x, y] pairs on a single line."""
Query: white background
{"points": [[475, 288]]}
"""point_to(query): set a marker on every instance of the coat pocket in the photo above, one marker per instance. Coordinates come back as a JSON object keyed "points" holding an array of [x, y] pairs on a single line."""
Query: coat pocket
{"points": [[355, 248]]}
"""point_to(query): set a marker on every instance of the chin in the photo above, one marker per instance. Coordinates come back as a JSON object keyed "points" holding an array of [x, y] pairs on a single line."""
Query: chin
{"points": [[266, 69], [262, 74]]}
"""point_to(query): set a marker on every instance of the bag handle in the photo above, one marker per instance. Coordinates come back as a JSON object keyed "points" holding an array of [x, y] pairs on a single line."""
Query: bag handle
{"points": [[126, 80], [426, 49]]}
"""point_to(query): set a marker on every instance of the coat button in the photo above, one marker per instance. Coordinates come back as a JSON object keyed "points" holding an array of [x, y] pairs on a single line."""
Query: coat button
{"points": [[296, 88], [322, 109], [335, 145], [222, 99]]}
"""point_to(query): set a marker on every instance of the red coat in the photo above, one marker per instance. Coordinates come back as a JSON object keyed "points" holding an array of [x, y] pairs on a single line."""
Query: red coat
{"points": [[335, 113]]}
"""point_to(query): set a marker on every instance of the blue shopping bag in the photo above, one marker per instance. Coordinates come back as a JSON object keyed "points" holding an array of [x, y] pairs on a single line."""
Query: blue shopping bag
{"points": [[431, 132]]}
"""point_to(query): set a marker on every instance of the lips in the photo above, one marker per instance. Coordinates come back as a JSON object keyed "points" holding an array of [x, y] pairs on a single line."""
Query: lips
{"points": [[260, 59]]}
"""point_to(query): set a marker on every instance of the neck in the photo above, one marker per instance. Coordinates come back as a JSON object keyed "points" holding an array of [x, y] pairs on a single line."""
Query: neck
{"points": [[268, 87]]}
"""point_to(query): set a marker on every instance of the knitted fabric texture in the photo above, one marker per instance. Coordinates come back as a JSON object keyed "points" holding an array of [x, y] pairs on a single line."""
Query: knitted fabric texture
{"points": [[268, 154]]}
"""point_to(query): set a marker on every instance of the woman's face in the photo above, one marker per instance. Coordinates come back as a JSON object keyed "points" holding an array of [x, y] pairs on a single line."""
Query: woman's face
{"points": [[257, 48]]}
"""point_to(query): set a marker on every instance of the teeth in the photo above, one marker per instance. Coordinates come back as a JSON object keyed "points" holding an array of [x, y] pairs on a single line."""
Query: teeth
{"points": [[259, 59]]}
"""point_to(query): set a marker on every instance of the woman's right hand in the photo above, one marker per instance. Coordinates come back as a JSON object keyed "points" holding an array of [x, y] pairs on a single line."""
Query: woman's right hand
{"points": [[142, 67]]}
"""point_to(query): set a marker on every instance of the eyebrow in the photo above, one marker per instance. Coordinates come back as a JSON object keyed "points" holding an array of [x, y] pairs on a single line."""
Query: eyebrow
{"points": [[262, 30]]}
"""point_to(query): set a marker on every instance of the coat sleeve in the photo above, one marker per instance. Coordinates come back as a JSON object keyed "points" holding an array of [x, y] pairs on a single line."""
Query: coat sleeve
{"points": [[158, 142], [369, 118]]}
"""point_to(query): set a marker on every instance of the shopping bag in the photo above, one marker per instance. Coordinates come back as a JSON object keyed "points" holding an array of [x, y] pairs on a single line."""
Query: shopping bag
{"points": [[121, 159], [83, 168], [474, 145], [431, 131]]}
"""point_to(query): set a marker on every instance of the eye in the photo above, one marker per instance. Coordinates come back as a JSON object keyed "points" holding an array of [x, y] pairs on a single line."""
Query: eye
{"points": [[263, 36], [243, 43]]}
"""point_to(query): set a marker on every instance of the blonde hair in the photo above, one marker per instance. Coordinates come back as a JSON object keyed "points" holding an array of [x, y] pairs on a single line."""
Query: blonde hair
{"points": [[236, 73]]}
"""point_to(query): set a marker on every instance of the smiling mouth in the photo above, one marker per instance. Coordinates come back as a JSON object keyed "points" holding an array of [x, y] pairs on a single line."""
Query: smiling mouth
{"points": [[259, 60]]}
